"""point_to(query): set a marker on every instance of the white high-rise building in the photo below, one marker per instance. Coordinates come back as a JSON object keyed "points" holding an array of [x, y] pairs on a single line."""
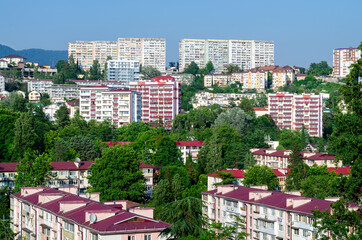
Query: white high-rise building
{"points": [[246, 54], [84, 52], [147, 51], [123, 71], [342, 60], [100, 103]]}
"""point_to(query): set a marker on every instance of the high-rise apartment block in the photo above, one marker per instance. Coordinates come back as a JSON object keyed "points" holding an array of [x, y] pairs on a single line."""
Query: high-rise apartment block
{"points": [[342, 60], [84, 52], [246, 54], [292, 111], [123, 71], [117, 105], [147, 51], [161, 100]]}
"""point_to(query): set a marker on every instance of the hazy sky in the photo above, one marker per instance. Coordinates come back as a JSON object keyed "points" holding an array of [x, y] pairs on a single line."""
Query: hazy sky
{"points": [[303, 31]]}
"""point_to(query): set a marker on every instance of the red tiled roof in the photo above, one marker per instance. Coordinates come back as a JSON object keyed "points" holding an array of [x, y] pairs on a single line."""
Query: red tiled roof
{"points": [[283, 153], [13, 56], [144, 165], [116, 223], [158, 78], [8, 166], [261, 108], [57, 166], [189, 143], [237, 173], [345, 170], [117, 143]]}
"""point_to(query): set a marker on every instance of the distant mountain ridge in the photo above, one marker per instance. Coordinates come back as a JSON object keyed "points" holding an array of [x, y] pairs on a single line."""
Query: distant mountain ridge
{"points": [[40, 56]]}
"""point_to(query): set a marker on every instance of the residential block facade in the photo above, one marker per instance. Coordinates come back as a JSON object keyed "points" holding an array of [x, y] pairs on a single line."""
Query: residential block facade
{"points": [[85, 52], [217, 79], [189, 148], [44, 213], [342, 60], [292, 111], [161, 100], [246, 54], [265, 214], [2, 83], [120, 106], [123, 71], [147, 51], [283, 76]]}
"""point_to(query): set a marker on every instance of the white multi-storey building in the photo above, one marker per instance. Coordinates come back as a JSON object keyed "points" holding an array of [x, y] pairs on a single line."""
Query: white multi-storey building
{"points": [[63, 91], [123, 71], [342, 60], [189, 148], [255, 79], [217, 79], [44, 213], [246, 54], [84, 52], [265, 214], [39, 85], [292, 111], [147, 51], [118, 105], [161, 100], [2, 83], [283, 76]]}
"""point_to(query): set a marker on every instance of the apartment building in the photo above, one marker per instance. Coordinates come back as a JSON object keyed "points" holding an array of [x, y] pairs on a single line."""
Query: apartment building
{"points": [[39, 85], [161, 100], [150, 172], [279, 158], [2, 83], [123, 71], [120, 106], [85, 52], [265, 214], [255, 79], [44, 213], [246, 54], [189, 148], [217, 79], [342, 60], [283, 76], [203, 98], [292, 111], [214, 179], [147, 51], [13, 59], [63, 91]]}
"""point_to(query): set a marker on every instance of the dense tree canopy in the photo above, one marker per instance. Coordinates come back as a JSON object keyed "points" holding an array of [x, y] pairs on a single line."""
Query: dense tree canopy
{"points": [[261, 175]]}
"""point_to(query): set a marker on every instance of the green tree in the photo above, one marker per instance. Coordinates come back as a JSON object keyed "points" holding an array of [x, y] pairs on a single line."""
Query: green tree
{"points": [[236, 118], [186, 218], [116, 175], [288, 139], [45, 99], [7, 125], [84, 147], [192, 68], [209, 67], [25, 137], [95, 71], [231, 68], [177, 187], [62, 116], [59, 78], [261, 175], [296, 175], [162, 193], [321, 186], [167, 152], [320, 69], [33, 170], [15, 102], [296, 156], [149, 72]]}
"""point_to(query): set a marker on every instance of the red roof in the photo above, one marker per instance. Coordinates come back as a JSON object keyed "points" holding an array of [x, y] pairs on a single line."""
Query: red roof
{"points": [[117, 143], [13, 56], [284, 153], [144, 165], [261, 108], [8, 166], [189, 143], [57, 166], [237, 173], [159, 78], [118, 222], [345, 170]]}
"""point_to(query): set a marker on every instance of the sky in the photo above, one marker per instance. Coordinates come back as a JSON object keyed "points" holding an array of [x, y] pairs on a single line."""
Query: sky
{"points": [[303, 31]]}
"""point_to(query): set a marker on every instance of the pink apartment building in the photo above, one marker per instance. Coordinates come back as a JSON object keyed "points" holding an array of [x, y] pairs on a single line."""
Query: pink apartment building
{"points": [[161, 100], [292, 111], [42, 213]]}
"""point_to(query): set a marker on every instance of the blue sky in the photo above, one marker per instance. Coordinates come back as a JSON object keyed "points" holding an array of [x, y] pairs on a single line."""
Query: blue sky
{"points": [[303, 31]]}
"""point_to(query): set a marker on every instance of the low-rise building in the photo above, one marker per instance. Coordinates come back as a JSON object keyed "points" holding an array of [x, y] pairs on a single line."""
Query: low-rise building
{"points": [[2, 82], [204, 99], [188, 148], [217, 79], [260, 111], [63, 91], [149, 173], [34, 96], [39, 85], [50, 110], [13, 59], [264, 214], [3, 64], [283, 76], [44, 213], [279, 158]]}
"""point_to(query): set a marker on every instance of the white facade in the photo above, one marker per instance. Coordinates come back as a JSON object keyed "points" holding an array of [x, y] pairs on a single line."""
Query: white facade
{"points": [[217, 79], [246, 54], [255, 79], [100, 103], [342, 60], [2, 83], [123, 71], [39, 85], [3, 64], [63, 91], [50, 110], [147, 51], [84, 52], [292, 111], [161, 100]]}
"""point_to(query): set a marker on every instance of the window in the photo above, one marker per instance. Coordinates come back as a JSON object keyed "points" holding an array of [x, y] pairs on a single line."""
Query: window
{"points": [[94, 236], [147, 237], [296, 231], [131, 237], [46, 231], [69, 227]]}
